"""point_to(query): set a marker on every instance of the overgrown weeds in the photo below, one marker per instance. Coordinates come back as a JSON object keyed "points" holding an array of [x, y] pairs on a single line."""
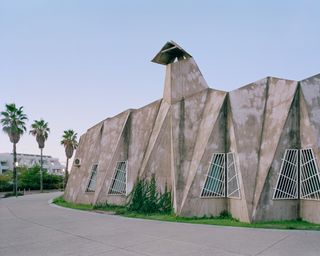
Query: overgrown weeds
{"points": [[147, 200]]}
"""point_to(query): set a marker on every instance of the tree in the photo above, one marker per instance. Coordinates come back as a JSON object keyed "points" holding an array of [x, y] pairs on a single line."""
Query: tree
{"points": [[40, 130], [70, 143], [6, 181], [13, 122], [28, 178]]}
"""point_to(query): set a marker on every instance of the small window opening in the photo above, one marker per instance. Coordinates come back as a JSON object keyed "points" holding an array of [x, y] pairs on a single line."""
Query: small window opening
{"points": [[119, 179], [309, 175], [93, 179], [233, 188], [298, 168], [214, 185]]}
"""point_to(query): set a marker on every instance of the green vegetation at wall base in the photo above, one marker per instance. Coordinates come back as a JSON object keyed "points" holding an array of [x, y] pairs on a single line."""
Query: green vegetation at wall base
{"points": [[223, 220]]}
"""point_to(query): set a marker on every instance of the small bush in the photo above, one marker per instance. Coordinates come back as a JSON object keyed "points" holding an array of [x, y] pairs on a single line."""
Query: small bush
{"points": [[138, 195], [117, 209], [29, 178], [6, 182], [10, 194], [225, 215], [165, 201], [146, 199], [151, 197]]}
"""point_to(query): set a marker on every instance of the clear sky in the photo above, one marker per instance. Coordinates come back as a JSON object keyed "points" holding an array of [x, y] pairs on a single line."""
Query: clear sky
{"points": [[75, 63]]}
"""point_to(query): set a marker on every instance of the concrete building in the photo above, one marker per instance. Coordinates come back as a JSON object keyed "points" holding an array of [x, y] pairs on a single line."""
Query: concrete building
{"points": [[253, 151], [52, 165]]}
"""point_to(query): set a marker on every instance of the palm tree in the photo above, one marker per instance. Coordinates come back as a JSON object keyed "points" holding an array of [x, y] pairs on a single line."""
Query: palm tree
{"points": [[70, 143], [40, 130], [14, 124]]}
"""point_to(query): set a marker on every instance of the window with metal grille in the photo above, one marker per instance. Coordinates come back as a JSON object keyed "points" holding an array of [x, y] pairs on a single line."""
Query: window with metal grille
{"points": [[309, 175], [119, 180], [233, 188], [287, 183], [214, 185], [93, 179]]}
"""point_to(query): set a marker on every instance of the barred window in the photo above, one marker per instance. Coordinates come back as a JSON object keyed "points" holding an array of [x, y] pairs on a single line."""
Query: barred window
{"points": [[91, 187], [214, 185], [287, 183], [299, 167], [119, 179], [309, 175], [233, 188]]}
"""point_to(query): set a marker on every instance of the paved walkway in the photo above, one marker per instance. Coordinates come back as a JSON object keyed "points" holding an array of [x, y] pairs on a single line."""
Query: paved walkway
{"points": [[30, 226]]}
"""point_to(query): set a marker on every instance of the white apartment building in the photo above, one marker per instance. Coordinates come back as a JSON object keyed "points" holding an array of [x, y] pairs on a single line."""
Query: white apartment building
{"points": [[28, 160]]}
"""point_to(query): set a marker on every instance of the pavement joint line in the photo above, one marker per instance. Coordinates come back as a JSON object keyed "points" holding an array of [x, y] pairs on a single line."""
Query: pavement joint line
{"points": [[124, 249], [272, 245]]}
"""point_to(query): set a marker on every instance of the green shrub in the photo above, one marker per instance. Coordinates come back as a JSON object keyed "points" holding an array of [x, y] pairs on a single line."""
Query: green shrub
{"points": [[6, 182], [146, 199], [10, 194], [165, 201], [150, 202], [117, 209], [225, 215], [29, 178], [137, 197]]}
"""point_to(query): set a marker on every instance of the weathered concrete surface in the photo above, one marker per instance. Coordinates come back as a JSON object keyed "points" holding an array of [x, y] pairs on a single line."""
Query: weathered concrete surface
{"points": [[183, 79], [31, 227], [185, 120], [247, 110], [238, 207], [140, 133], [281, 132], [210, 138], [310, 134], [174, 138]]}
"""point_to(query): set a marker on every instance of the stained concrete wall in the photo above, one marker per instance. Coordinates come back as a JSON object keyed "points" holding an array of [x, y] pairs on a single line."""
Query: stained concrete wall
{"points": [[281, 132], [174, 139], [210, 138], [310, 135]]}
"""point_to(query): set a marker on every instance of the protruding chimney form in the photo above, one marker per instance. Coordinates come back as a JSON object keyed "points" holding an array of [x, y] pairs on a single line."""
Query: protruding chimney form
{"points": [[183, 77]]}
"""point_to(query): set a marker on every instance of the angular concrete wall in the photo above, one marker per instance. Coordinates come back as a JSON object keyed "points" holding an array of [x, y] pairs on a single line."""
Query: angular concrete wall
{"points": [[310, 135], [280, 132], [175, 138], [247, 109], [210, 137]]}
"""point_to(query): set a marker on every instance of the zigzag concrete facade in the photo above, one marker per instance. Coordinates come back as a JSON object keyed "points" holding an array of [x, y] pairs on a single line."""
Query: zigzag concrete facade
{"points": [[176, 138]]}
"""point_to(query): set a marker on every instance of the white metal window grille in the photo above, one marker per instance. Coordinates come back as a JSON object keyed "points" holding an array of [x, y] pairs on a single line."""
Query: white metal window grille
{"points": [[214, 185], [287, 184], [233, 188], [309, 175], [119, 180], [93, 179]]}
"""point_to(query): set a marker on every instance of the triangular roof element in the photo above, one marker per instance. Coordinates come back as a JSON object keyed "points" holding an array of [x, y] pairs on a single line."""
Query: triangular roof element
{"points": [[169, 53]]}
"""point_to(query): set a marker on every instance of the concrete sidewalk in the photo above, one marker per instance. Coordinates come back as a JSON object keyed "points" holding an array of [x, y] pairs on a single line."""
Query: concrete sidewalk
{"points": [[30, 226]]}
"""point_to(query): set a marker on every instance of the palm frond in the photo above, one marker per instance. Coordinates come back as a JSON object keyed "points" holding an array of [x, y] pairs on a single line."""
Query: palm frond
{"points": [[69, 139], [40, 129], [13, 121]]}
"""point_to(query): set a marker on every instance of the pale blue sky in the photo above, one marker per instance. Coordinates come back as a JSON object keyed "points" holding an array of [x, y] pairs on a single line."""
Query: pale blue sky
{"points": [[75, 63]]}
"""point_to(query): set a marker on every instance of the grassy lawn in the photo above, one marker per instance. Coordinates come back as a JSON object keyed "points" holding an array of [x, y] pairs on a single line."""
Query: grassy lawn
{"points": [[220, 221]]}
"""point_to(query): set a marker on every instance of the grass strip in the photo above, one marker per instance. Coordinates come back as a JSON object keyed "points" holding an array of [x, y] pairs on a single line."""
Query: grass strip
{"points": [[218, 221]]}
